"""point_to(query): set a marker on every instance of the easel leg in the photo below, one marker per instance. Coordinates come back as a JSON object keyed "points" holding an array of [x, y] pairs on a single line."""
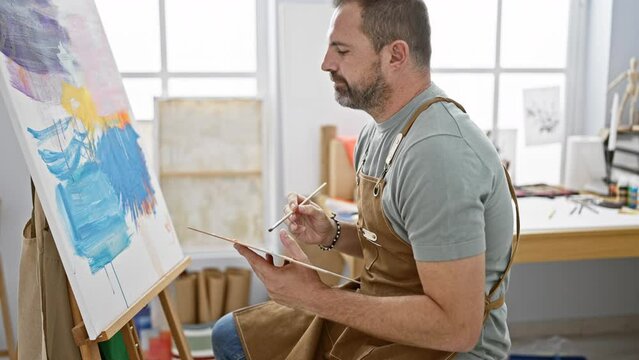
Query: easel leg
{"points": [[6, 318], [132, 341], [176, 326]]}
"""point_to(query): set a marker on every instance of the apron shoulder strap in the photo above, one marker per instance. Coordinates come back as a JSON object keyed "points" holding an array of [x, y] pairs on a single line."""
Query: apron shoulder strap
{"points": [[515, 240], [490, 305], [411, 121], [425, 106]]}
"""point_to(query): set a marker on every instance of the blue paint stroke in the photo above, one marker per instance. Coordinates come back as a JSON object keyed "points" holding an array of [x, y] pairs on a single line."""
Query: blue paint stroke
{"points": [[121, 159], [58, 128], [30, 35], [98, 187], [88, 203], [64, 164], [94, 217]]}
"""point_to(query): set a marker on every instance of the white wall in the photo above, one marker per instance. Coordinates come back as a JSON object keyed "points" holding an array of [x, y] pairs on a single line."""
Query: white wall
{"points": [[596, 67], [624, 42], [612, 40], [307, 99], [572, 290], [15, 209]]}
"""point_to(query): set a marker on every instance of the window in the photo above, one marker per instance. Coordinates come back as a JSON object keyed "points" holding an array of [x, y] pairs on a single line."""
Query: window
{"points": [[185, 48], [487, 54], [182, 48]]}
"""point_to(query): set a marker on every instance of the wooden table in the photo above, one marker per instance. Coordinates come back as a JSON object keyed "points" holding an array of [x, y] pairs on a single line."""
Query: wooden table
{"points": [[567, 237]]}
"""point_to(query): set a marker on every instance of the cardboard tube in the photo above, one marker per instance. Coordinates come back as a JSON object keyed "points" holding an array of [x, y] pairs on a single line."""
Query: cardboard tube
{"points": [[216, 286], [238, 282], [186, 298], [203, 313]]}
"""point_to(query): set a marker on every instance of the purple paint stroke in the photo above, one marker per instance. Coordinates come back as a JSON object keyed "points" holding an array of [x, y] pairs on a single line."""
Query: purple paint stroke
{"points": [[43, 2], [90, 50], [44, 88], [30, 35]]}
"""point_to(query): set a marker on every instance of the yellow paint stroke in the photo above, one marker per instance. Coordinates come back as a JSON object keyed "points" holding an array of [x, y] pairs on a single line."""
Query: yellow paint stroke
{"points": [[78, 102]]}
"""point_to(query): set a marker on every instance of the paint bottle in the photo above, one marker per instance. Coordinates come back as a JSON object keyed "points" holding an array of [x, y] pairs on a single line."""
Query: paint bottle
{"points": [[612, 189], [633, 188], [622, 190]]}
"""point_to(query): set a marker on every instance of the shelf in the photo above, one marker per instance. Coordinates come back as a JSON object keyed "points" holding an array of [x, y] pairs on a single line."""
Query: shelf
{"points": [[626, 168], [627, 151]]}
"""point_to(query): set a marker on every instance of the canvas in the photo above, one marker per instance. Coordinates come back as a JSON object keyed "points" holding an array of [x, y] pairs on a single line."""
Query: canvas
{"points": [[73, 121], [213, 148]]}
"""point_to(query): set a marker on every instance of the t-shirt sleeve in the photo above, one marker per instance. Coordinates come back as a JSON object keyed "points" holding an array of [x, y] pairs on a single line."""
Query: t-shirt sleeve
{"points": [[442, 187]]}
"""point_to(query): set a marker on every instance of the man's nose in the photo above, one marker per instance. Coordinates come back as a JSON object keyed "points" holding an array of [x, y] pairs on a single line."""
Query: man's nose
{"points": [[328, 64]]}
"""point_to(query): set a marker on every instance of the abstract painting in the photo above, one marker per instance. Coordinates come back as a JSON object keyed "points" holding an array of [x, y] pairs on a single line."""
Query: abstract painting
{"points": [[72, 118]]}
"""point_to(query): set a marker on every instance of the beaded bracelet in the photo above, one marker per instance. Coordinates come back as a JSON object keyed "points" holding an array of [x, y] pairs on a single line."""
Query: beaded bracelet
{"points": [[337, 234]]}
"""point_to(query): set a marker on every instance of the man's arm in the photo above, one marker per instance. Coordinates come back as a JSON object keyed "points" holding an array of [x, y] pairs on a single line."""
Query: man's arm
{"points": [[447, 317], [348, 242]]}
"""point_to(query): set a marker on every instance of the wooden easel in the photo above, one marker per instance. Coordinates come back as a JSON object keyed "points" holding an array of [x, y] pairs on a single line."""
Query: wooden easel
{"points": [[6, 318], [89, 348]]}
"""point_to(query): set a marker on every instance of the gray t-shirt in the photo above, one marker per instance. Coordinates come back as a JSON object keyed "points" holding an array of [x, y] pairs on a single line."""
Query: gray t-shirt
{"points": [[447, 196]]}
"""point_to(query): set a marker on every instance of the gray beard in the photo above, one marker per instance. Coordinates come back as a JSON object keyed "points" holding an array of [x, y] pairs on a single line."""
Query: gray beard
{"points": [[368, 99]]}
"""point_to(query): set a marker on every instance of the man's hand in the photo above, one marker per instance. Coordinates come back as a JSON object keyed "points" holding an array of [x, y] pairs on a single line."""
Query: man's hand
{"points": [[309, 223], [291, 285]]}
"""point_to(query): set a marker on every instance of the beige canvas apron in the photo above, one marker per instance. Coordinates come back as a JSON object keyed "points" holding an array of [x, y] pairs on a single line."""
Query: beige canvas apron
{"points": [[44, 313], [271, 331]]}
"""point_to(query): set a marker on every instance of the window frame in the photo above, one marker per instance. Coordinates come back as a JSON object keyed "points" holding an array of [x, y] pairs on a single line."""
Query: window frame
{"points": [[267, 90], [164, 75], [574, 67]]}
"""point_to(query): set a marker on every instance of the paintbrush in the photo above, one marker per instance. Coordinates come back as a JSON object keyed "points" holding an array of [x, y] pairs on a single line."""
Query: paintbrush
{"points": [[287, 258], [291, 213]]}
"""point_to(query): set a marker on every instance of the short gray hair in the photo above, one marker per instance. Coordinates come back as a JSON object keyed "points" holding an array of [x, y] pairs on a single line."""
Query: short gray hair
{"points": [[384, 21]]}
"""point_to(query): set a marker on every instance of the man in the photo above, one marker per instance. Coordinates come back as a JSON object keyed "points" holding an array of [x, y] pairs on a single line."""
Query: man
{"points": [[435, 218]]}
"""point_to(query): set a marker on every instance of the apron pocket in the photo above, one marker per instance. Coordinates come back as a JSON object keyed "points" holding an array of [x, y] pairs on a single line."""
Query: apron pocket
{"points": [[355, 345], [404, 352]]}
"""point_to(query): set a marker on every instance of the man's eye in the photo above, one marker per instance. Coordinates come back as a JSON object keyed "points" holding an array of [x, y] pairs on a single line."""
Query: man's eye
{"points": [[342, 52]]}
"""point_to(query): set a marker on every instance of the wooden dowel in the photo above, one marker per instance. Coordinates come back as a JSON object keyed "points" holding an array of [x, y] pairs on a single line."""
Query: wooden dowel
{"points": [[176, 327], [287, 258]]}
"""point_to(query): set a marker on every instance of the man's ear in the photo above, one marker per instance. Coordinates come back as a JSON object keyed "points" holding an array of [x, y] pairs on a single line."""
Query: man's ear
{"points": [[399, 53]]}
